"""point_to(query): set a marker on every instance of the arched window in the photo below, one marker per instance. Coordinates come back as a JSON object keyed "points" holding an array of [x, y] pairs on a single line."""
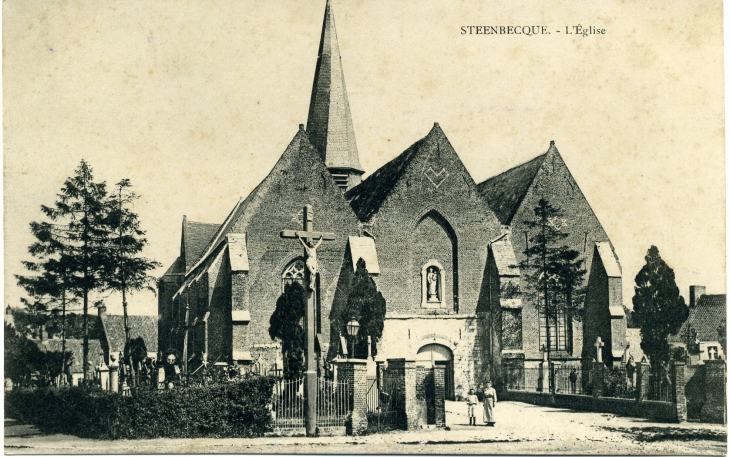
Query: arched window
{"points": [[432, 285], [294, 272]]}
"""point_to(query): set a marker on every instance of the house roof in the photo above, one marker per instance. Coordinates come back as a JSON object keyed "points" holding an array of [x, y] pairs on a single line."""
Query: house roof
{"points": [[367, 197], [76, 348], [504, 193], [707, 315], [196, 236], [144, 326]]}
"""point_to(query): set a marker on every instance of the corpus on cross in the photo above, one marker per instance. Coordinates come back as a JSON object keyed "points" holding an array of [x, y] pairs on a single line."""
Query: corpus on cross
{"points": [[307, 238]]}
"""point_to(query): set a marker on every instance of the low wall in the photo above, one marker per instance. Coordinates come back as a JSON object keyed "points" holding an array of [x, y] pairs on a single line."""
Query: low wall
{"points": [[654, 410]]}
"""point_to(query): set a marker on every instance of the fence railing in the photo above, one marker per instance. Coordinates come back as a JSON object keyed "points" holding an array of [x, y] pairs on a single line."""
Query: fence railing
{"points": [[287, 409], [332, 403], [618, 382], [659, 387], [572, 380]]}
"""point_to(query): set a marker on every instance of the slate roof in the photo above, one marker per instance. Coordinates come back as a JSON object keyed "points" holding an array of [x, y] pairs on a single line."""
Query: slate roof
{"points": [[76, 348], [144, 326], [504, 193], [707, 315], [367, 197], [196, 236], [298, 154]]}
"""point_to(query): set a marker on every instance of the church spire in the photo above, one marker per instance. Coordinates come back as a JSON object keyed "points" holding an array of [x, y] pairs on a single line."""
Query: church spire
{"points": [[329, 124]]}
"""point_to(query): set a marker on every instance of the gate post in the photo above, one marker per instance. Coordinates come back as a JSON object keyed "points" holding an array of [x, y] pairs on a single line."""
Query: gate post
{"points": [[354, 373], [714, 409], [439, 394], [404, 371], [642, 380], [680, 399]]}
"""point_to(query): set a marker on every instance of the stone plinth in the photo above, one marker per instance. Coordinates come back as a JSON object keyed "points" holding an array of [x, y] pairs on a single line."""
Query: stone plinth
{"points": [[597, 375], [680, 399]]}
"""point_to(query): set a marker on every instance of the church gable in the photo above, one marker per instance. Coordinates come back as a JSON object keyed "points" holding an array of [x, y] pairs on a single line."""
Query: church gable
{"points": [[426, 215]]}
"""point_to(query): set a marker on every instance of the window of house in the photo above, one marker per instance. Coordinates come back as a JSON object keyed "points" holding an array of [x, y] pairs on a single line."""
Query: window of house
{"points": [[558, 334], [294, 272]]}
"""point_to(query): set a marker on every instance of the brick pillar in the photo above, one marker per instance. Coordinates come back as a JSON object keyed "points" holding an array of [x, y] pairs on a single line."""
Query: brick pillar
{"points": [[354, 373], [541, 377], [597, 375], [714, 408], [642, 380], [404, 371], [439, 394], [680, 400]]}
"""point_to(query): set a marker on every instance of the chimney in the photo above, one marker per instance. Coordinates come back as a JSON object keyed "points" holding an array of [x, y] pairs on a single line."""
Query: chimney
{"points": [[102, 310], [695, 292]]}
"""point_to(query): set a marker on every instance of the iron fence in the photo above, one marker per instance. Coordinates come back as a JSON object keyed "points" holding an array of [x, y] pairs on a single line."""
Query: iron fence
{"points": [[659, 387], [287, 409], [332, 403], [571, 380]]}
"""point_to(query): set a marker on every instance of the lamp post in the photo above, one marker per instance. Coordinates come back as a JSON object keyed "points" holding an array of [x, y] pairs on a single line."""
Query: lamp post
{"points": [[352, 328]]}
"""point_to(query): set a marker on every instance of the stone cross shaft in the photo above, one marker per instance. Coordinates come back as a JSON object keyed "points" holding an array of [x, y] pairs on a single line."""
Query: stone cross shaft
{"points": [[308, 235], [599, 352]]}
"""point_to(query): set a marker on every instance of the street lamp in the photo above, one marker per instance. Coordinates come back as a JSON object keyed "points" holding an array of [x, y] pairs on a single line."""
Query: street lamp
{"points": [[352, 328]]}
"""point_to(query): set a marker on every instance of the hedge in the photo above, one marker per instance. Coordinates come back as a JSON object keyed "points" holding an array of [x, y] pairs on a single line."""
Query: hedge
{"points": [[236, 409]]}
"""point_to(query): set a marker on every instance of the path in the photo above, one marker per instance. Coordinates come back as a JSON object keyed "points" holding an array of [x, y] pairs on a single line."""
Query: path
{"points": [[521, 429]]}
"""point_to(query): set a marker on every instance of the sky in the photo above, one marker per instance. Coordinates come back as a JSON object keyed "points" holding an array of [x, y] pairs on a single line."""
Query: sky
{"points": [[194, 101]]}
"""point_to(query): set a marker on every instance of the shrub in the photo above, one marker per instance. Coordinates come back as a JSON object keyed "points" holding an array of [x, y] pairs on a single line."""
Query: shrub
{"points": [[236, 409]]}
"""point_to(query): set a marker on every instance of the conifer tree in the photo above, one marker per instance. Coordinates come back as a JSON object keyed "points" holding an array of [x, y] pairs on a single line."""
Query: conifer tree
{"points": [[285, 325], [659, 309], [367, 305], [72, 246], [554, 272], [128, 269]]}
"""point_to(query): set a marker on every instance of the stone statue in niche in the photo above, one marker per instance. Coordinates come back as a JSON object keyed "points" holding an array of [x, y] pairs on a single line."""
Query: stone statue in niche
{"points": [[432, 283]]}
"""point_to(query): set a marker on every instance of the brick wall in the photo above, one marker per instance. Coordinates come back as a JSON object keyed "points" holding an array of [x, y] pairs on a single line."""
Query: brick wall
{"points": [[423, 218]]}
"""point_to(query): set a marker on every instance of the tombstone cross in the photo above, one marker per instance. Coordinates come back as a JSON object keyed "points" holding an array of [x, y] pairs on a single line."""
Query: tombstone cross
{"points": [[307, 237], [599, 353]]}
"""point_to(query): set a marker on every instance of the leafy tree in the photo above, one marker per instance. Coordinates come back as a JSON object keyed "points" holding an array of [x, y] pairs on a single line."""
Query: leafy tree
{"points": [[658, 308], [367, 305], [285, 325], [554, 272], [22, 357]]}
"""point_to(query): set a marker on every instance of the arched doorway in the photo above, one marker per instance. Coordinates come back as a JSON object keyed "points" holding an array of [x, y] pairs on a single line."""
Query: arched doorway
{"points": [[438, 354]]}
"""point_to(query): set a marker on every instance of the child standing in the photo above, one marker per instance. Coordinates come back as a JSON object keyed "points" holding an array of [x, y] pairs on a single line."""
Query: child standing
{"points": [[472, 401]]}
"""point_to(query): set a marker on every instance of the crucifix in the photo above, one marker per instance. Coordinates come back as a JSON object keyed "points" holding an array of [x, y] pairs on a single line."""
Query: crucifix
{"points": [[311, 241], [599, 352]]}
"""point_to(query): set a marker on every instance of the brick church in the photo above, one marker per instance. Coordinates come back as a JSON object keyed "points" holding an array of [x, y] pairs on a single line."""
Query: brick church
{"points": [[443, 250]]}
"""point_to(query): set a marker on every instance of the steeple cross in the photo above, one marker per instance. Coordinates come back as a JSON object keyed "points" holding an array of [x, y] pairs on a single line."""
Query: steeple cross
{"points": [[599, 353]]}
